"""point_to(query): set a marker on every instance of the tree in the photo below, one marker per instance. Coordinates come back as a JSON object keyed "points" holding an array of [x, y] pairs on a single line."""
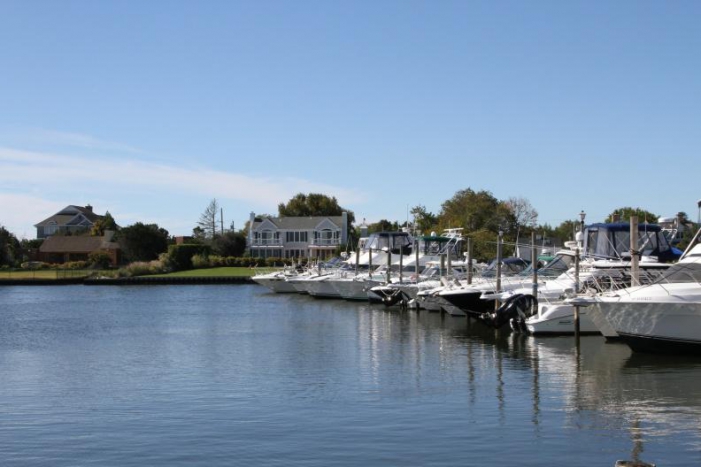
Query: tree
{"points": [[9, 247], [476, 211], [313, 204], [524, 214], [208, 219], [143, 242], [383, 226], [230, 244], [425, 221], [106, 222], [625, 214]]}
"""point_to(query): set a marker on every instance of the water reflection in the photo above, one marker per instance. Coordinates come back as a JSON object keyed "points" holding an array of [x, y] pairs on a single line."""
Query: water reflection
{"points": [[318, 382]]}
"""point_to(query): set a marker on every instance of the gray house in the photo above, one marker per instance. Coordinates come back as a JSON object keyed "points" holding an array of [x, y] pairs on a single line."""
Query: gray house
{"points": [[296, 237], [70, 219]]}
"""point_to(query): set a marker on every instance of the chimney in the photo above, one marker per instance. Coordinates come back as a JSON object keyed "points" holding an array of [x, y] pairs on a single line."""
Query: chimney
{"points": [[616, 217], [88, 208]]}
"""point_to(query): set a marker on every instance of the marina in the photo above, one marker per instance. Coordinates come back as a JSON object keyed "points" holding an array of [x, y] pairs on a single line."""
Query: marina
{"points": [[236, 374]]}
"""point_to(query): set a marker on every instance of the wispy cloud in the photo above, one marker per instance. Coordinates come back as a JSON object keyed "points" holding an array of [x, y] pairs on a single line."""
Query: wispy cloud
{"points": [[30, 178], [55, 171], [19, 212], [54, 138]]}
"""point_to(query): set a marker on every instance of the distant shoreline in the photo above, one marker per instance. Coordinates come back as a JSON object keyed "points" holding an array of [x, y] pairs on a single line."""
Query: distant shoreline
{"points": [[139, 280]]}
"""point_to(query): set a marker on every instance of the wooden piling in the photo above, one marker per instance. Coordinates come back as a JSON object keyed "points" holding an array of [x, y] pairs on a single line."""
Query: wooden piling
{"points": [[469, 260], [634, 258], [534, 267], [576, 291]]}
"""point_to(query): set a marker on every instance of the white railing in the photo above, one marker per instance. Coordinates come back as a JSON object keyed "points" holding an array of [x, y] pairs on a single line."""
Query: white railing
{"points": [[326, 241], [266, 242]]}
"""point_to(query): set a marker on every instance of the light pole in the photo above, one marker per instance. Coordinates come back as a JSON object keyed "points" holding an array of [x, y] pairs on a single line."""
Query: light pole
{"points": [[698, 218], [583, 214]]}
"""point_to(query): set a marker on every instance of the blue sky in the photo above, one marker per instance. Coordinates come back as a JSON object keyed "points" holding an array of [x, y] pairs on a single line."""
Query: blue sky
{"points": [[151, 109]]}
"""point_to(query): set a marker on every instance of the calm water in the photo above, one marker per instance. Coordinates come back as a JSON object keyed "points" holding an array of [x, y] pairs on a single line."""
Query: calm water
{"points": [[235, 375]]}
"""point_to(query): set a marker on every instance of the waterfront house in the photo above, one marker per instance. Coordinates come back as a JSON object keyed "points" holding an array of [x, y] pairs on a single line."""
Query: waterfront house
{"points": [[62, 249], [69, 220], [296, 237]]}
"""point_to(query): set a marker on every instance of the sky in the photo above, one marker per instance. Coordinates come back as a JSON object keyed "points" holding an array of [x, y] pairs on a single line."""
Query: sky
{"points": [[149, 110]]}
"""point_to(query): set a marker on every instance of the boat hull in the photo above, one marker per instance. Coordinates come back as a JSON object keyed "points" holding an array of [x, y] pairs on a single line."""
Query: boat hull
{"points": [[558, 319], [655, 327], [469, 302]]}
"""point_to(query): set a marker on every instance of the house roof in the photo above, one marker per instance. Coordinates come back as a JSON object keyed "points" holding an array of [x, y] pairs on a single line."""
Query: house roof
{"points": [[300, 223], [71, 215], [72, 244]]}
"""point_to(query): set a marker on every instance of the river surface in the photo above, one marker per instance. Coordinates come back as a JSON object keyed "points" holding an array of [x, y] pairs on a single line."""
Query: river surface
{"points": [[235, 375]]}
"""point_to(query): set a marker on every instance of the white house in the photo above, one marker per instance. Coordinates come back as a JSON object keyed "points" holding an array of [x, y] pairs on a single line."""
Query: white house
{"points": [[296, 237]]}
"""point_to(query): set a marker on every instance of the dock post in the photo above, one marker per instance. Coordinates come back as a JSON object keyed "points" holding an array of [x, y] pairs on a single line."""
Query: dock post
{"points": [[389, 265], [416, 260], [499, 254], [534, 266], [634, 259], [576, 291], [357, 258], [370, 262], [469, 260], [401, 265]]}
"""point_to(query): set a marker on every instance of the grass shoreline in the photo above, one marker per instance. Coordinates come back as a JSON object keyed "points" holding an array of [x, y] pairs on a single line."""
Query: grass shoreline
{"points": [[61, 275]]}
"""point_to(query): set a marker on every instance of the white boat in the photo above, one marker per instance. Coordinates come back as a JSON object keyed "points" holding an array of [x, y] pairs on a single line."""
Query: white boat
{"points": [[277, 280], [558, 318], [605, 266], [661, 317], [404, 251]]}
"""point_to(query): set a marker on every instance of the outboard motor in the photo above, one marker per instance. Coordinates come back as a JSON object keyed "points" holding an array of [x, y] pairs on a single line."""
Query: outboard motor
{"points": [[391, 298], [517, 308]]}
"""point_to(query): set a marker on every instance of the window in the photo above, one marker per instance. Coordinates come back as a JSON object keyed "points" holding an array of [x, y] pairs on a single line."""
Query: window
{"points": [[51, 228]]}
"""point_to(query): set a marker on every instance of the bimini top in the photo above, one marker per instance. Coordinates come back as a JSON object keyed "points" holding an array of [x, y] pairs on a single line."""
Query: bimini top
{"points": [[394, 241]]}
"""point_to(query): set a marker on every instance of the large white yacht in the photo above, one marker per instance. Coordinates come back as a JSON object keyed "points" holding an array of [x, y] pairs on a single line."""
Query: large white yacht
{"points": [[664, 316]]}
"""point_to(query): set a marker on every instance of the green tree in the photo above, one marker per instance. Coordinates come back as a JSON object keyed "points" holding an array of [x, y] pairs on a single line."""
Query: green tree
{"points": [[425, 220], [476, 211], [383, 225], [143, 242], [625, 214], [230, 244], [106, 222], [313, 204], [9, 247]]}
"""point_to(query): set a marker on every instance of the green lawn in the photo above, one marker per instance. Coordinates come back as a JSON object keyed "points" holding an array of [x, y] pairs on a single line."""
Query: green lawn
{"points": [[212, 272]]}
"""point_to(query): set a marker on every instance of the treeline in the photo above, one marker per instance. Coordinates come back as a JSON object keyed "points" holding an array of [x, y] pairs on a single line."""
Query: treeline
{"points": [[479, 213]]}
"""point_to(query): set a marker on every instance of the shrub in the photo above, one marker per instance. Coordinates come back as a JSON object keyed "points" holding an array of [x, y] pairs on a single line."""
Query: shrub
{"points": [[73, 265], [180, 256], [142, 268], [34, 265], [100, 259]]}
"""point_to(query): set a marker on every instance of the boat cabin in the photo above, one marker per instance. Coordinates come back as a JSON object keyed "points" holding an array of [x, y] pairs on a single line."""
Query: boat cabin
{"points": [[612, 241]]}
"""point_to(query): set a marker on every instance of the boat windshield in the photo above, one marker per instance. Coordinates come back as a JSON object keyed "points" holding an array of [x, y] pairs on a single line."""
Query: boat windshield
{"points": [[558, 265], [684, 272], [509, 267]]}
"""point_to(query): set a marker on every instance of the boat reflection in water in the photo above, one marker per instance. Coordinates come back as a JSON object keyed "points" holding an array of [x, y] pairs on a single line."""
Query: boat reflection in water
{"points": [[640, 401]]}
